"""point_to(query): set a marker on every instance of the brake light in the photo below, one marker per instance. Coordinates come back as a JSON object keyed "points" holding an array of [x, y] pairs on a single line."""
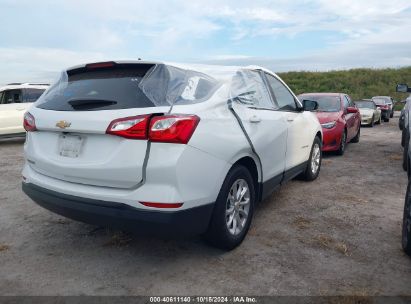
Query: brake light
{"points": [[173, 128], [99, 65], [134, 127], [29, 123], [162, 205]]}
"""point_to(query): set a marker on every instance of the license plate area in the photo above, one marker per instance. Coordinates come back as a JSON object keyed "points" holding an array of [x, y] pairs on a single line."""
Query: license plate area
{"points": [[70, 145]]}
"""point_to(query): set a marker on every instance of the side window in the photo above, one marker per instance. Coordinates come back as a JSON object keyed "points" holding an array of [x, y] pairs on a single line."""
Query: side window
{"points": [[1, 97], [31, 95], [248, 88], [12, 96], [285, 100], [346, 102]]}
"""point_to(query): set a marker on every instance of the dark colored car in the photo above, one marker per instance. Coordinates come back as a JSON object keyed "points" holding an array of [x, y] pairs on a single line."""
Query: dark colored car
{"points": [[406, 219]]}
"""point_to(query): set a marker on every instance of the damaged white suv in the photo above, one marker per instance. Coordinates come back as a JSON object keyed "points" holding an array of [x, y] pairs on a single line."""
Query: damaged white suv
{"points": [[167, 148]]}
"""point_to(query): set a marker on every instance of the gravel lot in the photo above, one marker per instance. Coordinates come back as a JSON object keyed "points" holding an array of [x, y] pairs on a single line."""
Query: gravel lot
{"points": [[339, 235]]}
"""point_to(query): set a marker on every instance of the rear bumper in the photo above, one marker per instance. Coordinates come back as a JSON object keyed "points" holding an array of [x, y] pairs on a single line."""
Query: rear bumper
{"points": [[186, 222], [385, 113]]}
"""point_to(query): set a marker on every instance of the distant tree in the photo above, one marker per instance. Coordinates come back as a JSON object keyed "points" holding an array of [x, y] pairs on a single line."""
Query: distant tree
{"points": [[358, 83]]}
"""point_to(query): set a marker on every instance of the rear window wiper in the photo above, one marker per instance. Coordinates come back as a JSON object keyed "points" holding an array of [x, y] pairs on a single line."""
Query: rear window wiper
{"points": [[88, 104]]}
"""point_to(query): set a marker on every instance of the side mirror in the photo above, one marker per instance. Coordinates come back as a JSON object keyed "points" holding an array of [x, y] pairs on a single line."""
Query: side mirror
{"points": [[403, 88], [352, 110], [310, 105]]}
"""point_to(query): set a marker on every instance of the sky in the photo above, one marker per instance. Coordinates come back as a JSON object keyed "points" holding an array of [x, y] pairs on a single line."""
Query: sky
{"points": [[40, 38]]}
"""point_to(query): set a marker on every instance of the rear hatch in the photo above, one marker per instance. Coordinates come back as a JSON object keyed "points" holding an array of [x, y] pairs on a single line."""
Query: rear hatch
{"points": [[71, 143]]}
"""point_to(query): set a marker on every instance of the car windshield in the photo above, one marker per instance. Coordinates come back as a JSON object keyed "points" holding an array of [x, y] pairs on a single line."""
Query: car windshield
{"points": [[365, 104], [379, 101], [326, 103]]}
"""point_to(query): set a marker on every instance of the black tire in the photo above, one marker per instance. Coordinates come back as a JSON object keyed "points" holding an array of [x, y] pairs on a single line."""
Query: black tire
{"points": [[392, 114], [308, 174], [218, 233], [343, 143], [406, 222], [356, 138], [386, 119], [405, 152]]}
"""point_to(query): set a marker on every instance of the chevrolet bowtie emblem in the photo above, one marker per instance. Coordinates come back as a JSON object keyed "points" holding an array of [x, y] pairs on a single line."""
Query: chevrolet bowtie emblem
{"points": [[62, 124]]}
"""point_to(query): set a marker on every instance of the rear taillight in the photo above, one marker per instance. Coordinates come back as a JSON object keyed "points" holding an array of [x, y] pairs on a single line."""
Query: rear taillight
{"points": [[167, 128], [172, 128], [130, 127], [29, 123]]}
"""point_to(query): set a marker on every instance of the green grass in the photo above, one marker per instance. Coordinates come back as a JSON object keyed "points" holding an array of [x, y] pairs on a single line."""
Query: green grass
{"points": [[358, 83]]}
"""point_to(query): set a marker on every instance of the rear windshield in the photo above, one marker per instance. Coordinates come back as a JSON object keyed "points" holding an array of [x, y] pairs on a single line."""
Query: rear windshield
{"points": [[100, 89], [126, 86], [365, 104], [325, 103]]}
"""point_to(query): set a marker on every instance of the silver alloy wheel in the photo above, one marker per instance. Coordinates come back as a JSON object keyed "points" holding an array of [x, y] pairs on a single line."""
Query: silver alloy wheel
{"points": [[315, 158], [237, 206]]}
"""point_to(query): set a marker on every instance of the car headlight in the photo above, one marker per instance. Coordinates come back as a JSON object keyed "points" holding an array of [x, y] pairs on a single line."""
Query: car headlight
{"points": [[328, 125]]}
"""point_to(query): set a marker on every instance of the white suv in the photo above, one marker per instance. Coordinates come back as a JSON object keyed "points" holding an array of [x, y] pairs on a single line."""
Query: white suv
{"points": [[167, 148], [15, 99]]}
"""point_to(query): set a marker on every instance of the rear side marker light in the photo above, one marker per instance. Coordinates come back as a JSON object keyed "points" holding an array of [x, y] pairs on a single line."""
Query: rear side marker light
{"points": [[29, 123], [162, 205]]}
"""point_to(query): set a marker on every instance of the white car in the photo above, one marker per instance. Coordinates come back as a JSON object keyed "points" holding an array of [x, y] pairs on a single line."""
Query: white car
{"points": [[15, 99], [167, 148]]}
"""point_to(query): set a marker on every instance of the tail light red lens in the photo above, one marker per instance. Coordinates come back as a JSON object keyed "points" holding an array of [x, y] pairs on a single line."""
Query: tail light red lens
{"points": [[134, 127], [29, 123], [173, 128], [167, 128]]}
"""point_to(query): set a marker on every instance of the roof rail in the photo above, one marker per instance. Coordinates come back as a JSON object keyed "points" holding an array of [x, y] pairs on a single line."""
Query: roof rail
{"points": [[15, 83]]}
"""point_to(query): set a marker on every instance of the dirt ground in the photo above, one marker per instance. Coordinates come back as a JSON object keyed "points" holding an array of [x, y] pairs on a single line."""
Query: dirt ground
{"points": [[338, 235]]}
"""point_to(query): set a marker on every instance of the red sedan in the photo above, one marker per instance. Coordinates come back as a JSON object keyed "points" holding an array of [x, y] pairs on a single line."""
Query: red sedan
{"points": [[339, 118]]}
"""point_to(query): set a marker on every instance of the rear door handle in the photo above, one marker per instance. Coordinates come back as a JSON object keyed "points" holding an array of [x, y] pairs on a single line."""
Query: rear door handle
{"points": [[255, 119], [20, 109]]}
